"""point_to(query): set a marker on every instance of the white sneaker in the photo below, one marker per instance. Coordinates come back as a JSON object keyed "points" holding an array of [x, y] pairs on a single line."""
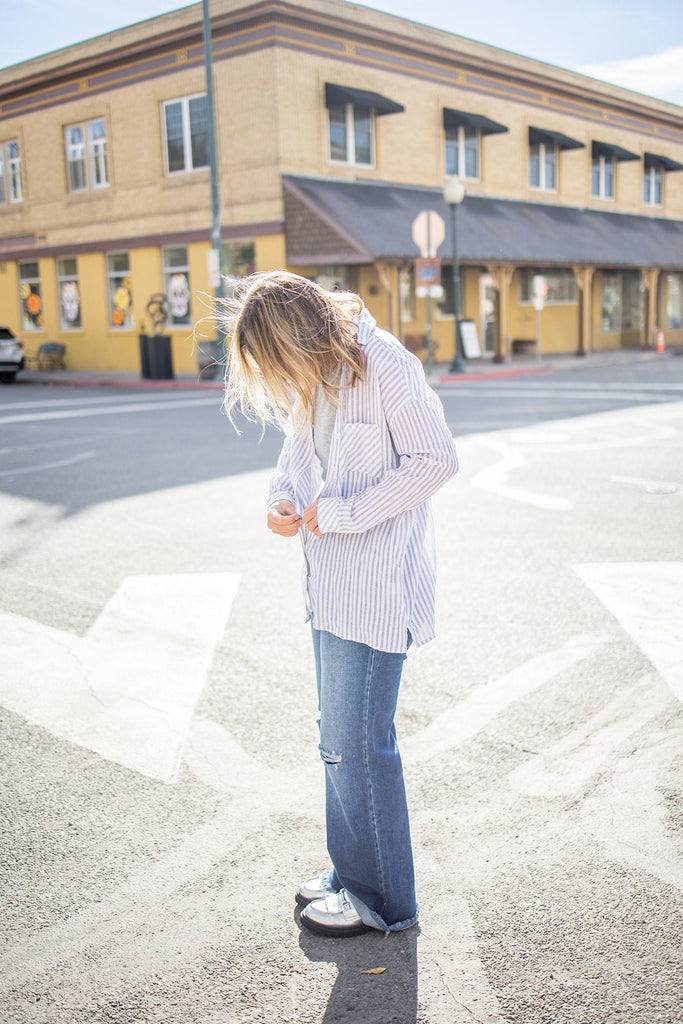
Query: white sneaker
{"points": [[333, 915], [313, 889]]}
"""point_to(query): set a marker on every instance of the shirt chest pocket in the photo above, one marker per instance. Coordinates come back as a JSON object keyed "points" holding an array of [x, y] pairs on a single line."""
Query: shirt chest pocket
{"points": [[360, 450]]}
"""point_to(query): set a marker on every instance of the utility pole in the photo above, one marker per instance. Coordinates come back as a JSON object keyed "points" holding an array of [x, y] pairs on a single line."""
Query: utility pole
{"points": [[215, 276]]}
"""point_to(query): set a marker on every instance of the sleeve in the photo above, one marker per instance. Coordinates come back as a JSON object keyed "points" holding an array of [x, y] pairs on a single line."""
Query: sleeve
{"points": [[280, 485], [427, 459]]}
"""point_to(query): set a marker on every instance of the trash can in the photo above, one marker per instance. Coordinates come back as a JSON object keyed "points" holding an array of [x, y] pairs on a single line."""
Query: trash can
{"points": [[155, 357]]}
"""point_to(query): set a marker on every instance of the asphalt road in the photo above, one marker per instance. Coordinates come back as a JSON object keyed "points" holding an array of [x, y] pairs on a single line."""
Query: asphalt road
{"points": [[160, 791]]}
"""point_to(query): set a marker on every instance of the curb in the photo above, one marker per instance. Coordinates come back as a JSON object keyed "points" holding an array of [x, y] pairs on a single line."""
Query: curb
{"points": [[526, 371]]}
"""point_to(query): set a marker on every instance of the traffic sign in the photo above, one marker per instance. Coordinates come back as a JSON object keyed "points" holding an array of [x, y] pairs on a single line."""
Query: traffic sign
{"points": [[429, 231]]}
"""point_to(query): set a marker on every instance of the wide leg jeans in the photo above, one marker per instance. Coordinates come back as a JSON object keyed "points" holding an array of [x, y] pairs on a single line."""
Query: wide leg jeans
{"points": [[368, 831]]}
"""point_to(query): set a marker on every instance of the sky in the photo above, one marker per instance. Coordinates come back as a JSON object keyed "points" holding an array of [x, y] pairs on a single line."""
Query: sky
{"points": [[627, 42]]}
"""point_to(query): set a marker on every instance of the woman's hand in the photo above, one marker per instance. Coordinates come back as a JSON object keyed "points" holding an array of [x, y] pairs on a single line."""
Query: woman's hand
{"points": [[283, 518], [310, 518]]}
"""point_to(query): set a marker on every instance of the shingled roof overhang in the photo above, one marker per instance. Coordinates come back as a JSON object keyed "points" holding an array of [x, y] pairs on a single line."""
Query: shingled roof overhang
{"points": [[332, 221]]}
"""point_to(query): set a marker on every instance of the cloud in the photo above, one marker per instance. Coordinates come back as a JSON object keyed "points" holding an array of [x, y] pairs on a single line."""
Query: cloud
{"points": [[659, 75]]}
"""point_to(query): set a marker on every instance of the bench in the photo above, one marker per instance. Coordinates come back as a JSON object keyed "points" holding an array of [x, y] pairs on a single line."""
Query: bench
{"points": [[417, 344], [522, 345], [50, 356]]}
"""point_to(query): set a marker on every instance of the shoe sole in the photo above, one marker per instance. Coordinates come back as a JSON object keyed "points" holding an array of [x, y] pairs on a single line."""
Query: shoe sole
{"points": [[334, 931]]}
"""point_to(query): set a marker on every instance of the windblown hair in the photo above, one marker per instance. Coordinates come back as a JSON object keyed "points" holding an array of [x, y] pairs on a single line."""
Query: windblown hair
{"points": [[286, 336]]}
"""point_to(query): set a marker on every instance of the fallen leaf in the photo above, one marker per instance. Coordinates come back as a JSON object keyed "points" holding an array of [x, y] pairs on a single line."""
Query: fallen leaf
{"points": [[375, 970]]}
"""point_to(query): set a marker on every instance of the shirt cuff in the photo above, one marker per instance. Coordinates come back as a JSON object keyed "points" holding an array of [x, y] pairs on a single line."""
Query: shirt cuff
{"points": [[330, 515]]}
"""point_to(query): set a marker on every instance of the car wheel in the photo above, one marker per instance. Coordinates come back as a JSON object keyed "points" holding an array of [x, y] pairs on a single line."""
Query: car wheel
{"points": [[7, 376]]}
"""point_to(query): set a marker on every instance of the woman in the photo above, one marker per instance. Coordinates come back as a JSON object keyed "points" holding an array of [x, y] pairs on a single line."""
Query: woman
{"points": [[366, 445]]}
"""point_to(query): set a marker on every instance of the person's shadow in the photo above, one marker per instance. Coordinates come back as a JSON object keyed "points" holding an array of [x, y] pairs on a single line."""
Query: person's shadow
{"points": [[357, 998]]}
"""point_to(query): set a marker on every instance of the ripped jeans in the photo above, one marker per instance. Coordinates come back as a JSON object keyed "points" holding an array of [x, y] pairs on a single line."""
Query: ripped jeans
{"points": [[368, 833]]}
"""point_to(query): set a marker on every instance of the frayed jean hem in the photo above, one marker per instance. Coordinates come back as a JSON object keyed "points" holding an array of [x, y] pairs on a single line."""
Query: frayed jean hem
{"points": [[373, 920]]}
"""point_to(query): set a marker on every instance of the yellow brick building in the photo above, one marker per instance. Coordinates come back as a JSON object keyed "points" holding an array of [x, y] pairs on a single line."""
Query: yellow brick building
{"points": [[336, 127]]}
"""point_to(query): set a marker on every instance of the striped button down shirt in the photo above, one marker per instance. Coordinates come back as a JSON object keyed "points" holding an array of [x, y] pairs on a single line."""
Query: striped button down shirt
{"points": [[371, 576]]}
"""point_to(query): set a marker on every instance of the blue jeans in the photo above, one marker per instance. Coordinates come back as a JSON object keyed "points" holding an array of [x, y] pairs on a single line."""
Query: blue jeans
{"points": [[368, 833]]}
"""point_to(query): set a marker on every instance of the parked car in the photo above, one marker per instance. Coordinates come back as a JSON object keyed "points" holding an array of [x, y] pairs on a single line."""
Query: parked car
{"points": [[11, 355]]}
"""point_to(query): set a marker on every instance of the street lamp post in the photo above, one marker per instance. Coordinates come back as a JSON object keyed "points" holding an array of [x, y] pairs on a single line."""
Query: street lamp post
{"points": [[216, 279], [454, 193]]}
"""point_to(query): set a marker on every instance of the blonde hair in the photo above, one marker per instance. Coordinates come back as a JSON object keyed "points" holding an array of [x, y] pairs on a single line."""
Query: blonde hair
{"points": [[285, 337]]}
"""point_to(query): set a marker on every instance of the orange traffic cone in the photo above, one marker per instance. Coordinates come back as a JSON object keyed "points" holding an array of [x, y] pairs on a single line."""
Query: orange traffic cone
{"points": [[659, 347]]}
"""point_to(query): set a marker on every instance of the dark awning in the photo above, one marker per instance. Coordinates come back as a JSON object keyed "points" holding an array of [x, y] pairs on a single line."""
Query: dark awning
{"points": [[339, 95], [663, 162], [456, 118], [332, 221], [608, 150], [538, 135]]}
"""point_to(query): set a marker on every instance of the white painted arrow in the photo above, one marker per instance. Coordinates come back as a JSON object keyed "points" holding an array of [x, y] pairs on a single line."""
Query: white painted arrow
{"points": [[128, 689], [647, 599]]}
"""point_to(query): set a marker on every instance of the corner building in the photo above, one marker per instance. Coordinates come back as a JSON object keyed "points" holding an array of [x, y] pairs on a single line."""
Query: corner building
{"points": [[335, 126]]}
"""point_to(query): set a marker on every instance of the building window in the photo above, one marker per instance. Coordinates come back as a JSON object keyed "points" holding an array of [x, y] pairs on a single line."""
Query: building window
{"points": [[462, 152], [561, 285], [10, 173], [186, 134], [69, 292], [622, 301], [351, 131], [30, 297], [238, 258], [119, 291], [652, 186], [543, 166], [86, 155], [176, 272], [674, 301], [602, 177]]}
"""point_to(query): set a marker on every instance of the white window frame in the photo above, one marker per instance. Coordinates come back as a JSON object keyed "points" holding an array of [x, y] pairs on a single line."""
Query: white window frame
{"points": [[457, 144], [90, 151], [350, 126], [64, 278], [544, 151], [170, 270], [653, 180], [600, 163], [29, 283], [119, 279], [10, 173], [184, 103]]}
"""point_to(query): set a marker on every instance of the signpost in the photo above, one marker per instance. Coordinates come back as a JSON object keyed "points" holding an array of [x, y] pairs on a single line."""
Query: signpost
{"points": [[540, 294], [429, 231]]}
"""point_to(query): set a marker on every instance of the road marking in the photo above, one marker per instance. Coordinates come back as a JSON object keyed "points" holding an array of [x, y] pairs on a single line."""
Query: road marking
{"points": [[649, 486], [472, 714], [646, 598], [58, 464], [628, 813], [566, 766], [110, 410], [128, 689], [494, 480]]}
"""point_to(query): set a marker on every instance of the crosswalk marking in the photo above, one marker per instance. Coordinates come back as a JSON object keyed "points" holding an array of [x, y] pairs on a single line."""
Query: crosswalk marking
{"points": [[647, 600], [128, 689]]}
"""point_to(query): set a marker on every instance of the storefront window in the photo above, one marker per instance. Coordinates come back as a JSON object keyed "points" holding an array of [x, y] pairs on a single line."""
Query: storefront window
{"points": [[237, 259], [622, 301], [176, 272], [561, 285], [119, 291], [69, 293], [30, 297], [674, 300]]}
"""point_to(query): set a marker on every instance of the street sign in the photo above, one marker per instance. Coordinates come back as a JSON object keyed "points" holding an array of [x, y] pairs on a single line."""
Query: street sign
{"points": [[428, 279], [429, 231]]}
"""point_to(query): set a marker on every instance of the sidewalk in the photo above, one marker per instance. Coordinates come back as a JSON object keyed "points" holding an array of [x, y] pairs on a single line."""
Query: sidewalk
{"points": [[438, 373]]}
